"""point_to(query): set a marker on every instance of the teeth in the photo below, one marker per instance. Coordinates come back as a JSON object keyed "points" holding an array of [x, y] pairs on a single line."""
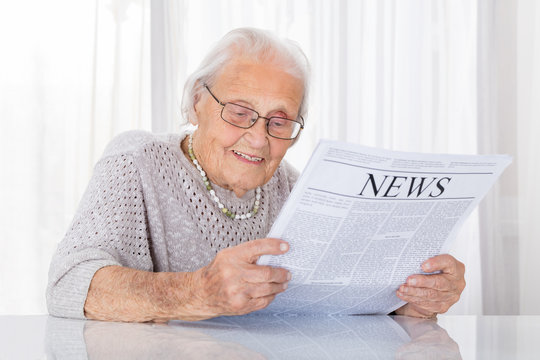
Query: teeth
{"points": [[250, 158]]}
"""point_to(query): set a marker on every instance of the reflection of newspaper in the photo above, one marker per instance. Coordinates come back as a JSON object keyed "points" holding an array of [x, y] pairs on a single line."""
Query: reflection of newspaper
{"points": [[241, 337], [309, 337], [360, 220]]}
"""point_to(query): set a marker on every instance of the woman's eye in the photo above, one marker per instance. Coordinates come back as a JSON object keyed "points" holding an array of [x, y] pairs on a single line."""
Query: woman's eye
{"points": [[275, 122]]}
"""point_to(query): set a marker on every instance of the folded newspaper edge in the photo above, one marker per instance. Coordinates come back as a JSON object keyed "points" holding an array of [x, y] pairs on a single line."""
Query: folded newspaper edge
{"points": [[360, 220]]}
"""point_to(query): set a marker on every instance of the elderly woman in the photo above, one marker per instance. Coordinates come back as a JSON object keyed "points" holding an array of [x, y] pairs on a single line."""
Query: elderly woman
{"points": [[171, 227]]}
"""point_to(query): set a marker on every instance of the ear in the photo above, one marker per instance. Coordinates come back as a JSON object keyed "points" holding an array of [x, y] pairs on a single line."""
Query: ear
{"points": [[193, 119]]}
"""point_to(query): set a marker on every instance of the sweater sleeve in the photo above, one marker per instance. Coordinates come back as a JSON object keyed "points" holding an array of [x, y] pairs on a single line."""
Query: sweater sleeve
{"points": [[109, 228]]}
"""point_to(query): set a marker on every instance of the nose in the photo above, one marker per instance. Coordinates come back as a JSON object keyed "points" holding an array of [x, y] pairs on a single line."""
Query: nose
{"points": [[257, 135]]}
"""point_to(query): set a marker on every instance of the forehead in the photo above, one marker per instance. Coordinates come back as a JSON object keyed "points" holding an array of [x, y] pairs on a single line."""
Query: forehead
{"points": [[259, 84]]}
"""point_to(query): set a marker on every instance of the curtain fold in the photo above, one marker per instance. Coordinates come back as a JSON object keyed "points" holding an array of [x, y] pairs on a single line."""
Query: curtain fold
{"points": [[168, 63], [497, 134], [528, 164], [508, 122]]}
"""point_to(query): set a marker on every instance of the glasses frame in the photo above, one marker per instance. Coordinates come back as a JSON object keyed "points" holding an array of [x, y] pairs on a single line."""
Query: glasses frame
{"points": [[254, 121]]}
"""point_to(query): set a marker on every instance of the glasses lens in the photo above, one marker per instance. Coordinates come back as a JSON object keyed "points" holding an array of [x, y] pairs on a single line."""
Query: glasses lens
{"points": [[243, 117], [238, 115], [283, 128]]}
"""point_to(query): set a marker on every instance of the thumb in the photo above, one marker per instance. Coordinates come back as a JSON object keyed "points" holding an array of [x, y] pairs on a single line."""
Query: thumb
{"points": [[251, 251]]}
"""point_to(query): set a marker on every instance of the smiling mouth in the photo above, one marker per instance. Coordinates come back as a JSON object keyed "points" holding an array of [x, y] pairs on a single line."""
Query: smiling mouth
{"points": [[248, 157]]}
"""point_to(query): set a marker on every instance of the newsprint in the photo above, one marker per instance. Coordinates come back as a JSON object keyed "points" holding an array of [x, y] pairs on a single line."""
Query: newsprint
{"points": [[360, 220]]}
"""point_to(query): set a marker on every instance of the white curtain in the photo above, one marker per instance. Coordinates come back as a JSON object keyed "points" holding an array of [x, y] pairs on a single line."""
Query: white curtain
{"points": [[528, 152], [509, 122], [416, 75], [72, 75], [497, 134]]}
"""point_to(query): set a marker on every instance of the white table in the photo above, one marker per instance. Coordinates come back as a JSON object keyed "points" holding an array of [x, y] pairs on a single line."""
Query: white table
{"points": [[256, 337]]}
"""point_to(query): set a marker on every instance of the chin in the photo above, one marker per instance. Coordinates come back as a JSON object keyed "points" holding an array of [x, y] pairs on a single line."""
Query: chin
{"points": [[249, 185], [248, 179]]}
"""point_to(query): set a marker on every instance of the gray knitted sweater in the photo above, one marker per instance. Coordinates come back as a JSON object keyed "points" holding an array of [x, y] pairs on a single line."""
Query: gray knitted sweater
{"points": [[147, 208]]}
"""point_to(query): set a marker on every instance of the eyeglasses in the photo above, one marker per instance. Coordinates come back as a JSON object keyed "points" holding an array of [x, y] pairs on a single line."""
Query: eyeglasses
{"points": [[243, 117]]}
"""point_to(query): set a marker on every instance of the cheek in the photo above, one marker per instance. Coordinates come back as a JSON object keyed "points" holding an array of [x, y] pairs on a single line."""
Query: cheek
{"points": [[230, 136], [219, 135], [208, 118], [277, 152]]}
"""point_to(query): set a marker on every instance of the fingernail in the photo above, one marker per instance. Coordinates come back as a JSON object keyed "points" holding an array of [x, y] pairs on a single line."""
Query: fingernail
{"points": [[289, 276], [403, 289], [412, 282], [283, 247], [285, 286], [426, 266]]}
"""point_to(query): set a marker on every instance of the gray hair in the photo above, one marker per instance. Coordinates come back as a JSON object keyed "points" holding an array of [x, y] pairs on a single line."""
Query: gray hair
{"points": [[256, 44]]}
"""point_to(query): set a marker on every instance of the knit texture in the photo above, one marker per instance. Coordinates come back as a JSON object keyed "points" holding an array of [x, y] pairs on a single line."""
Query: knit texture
{"points": [[147, 208]]}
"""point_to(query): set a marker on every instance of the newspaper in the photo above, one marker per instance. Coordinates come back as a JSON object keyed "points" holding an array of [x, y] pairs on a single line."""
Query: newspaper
{"points": [[360, 220]]}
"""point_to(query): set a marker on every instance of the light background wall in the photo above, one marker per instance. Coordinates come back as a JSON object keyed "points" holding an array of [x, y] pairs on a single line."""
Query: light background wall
{"points": [[437, 76]]}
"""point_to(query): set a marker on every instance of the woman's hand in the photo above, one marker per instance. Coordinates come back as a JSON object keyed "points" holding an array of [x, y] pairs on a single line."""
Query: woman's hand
{"points": [[232, 284], [429, 295]]}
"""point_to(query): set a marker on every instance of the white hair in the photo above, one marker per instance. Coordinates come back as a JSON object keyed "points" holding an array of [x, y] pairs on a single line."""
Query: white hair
{"points": [[261, 46]]}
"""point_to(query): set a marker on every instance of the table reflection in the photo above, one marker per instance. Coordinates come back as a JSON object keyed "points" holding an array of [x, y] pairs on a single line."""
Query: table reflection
{"points": [[253, 337]]}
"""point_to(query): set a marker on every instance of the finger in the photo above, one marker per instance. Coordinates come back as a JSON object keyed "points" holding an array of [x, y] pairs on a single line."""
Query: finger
{"points": [[264, 273], [436, 281], [425, 304], [251, 251], [411, 309], [266, 289], [445, 263], [260, 302], [251, 305], [428, 294]]}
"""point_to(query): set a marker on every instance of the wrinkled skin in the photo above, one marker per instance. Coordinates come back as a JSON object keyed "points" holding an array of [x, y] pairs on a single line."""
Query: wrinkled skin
{"points": [[432, 294]]}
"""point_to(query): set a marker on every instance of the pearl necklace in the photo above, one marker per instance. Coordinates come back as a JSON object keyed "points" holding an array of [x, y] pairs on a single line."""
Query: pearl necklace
{"points": [[214, 197]]}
